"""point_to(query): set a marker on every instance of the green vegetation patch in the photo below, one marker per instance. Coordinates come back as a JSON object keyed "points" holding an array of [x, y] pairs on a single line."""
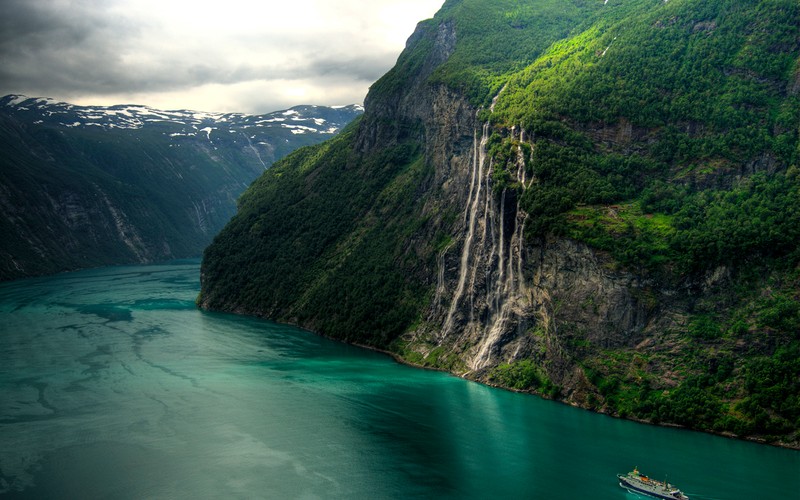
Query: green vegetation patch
{"points": [[497, 38], [634, 238], [523, 375]]}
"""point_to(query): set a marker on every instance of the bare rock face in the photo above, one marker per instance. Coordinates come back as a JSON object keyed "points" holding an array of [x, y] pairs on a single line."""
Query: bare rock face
{"points": [[415, 109], [499, 298], [571, 280]]}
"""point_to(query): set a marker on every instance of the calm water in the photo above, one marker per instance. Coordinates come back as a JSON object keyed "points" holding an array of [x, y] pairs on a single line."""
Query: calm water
{"points": [[112, 385]]}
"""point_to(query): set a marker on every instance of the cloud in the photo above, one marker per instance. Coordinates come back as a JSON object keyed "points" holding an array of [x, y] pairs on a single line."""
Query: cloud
{"points": [[259, 56]]}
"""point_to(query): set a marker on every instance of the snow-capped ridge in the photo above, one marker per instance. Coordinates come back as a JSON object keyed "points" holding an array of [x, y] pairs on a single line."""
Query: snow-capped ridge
{"points": [[178, 124]]}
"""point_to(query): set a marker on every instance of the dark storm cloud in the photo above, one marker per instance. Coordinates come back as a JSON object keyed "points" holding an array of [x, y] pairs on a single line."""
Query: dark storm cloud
{"points": [[30, 21], [175, 50], [365, 67], [53, 45]]}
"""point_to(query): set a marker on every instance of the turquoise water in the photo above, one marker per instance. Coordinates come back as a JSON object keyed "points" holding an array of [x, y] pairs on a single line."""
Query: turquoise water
{"points": [[113, 385]]}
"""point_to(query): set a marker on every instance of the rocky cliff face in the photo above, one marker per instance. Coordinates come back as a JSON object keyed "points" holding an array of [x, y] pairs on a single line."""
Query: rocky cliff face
{"points": [[498, 299], [501, 299]]}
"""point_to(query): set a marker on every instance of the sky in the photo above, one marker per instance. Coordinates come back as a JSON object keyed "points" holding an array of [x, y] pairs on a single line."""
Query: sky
{"points": [[249, 56]]}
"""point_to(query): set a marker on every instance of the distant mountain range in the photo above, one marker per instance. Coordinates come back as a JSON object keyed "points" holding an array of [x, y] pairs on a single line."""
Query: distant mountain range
{"points": [[84, 186], [267, 136]]}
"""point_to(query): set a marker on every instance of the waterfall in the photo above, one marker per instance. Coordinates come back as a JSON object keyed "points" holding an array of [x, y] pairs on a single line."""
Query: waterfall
{"points": [[502, 237], [490, 299], [470, 217], [255, 151], [488, 232], [474, 173], [507, 297], [441, 285]]}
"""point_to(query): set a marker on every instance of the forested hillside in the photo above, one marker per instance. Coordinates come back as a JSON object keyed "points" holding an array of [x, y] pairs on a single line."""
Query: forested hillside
{"points": [[596, 201], [90, 186]]}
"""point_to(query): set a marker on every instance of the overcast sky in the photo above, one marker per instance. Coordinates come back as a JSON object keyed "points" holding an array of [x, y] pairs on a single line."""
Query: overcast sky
{"points": [[250, 56]]}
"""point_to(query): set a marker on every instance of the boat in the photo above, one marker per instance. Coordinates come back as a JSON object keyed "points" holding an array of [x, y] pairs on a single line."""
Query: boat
{"points": [[637, 482]]}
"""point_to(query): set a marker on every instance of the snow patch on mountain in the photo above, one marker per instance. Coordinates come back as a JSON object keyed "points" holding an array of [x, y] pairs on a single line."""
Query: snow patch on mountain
{"points": [[182, 125]]}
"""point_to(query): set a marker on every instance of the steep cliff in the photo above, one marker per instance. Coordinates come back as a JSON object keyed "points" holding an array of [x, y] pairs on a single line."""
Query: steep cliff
{"points": [[593, 201], [88, 186]]}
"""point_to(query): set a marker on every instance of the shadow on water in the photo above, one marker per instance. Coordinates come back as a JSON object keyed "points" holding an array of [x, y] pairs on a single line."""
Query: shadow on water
{"points": [[163, 304], [109, 312], [108, 470]]}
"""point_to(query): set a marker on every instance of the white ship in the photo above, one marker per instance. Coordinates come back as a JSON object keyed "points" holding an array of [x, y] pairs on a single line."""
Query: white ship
{"points": [[639, 483]]}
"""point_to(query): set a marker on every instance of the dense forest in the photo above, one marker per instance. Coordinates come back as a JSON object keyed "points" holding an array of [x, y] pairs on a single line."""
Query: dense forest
{"points": [[662, 136], [713, 89]]}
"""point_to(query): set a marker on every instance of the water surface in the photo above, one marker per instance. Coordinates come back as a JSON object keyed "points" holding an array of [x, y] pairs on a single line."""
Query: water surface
{"points": [[113, 385]]}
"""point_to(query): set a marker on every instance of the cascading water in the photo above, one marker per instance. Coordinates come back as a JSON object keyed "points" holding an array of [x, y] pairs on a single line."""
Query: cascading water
{"points": [[490, 297], [470, 218]]}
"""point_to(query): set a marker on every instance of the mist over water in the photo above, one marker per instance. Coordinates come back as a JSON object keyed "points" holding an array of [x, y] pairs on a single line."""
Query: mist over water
{"points": [[113, 385]]}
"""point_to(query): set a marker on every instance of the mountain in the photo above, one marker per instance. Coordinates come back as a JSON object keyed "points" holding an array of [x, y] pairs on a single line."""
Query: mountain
{"points": [[88, 186], [594, 201]]}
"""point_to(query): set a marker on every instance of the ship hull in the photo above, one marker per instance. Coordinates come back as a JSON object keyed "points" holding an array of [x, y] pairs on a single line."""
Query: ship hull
{"points": [[637, 489]]}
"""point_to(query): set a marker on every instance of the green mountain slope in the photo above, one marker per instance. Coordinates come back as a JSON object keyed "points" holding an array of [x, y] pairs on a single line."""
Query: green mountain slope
{"points": [[594, 201], [91, 186]]}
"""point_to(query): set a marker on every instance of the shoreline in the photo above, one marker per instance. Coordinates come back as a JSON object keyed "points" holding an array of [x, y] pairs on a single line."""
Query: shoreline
{"points": [[402, 361], [795, 446]]}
